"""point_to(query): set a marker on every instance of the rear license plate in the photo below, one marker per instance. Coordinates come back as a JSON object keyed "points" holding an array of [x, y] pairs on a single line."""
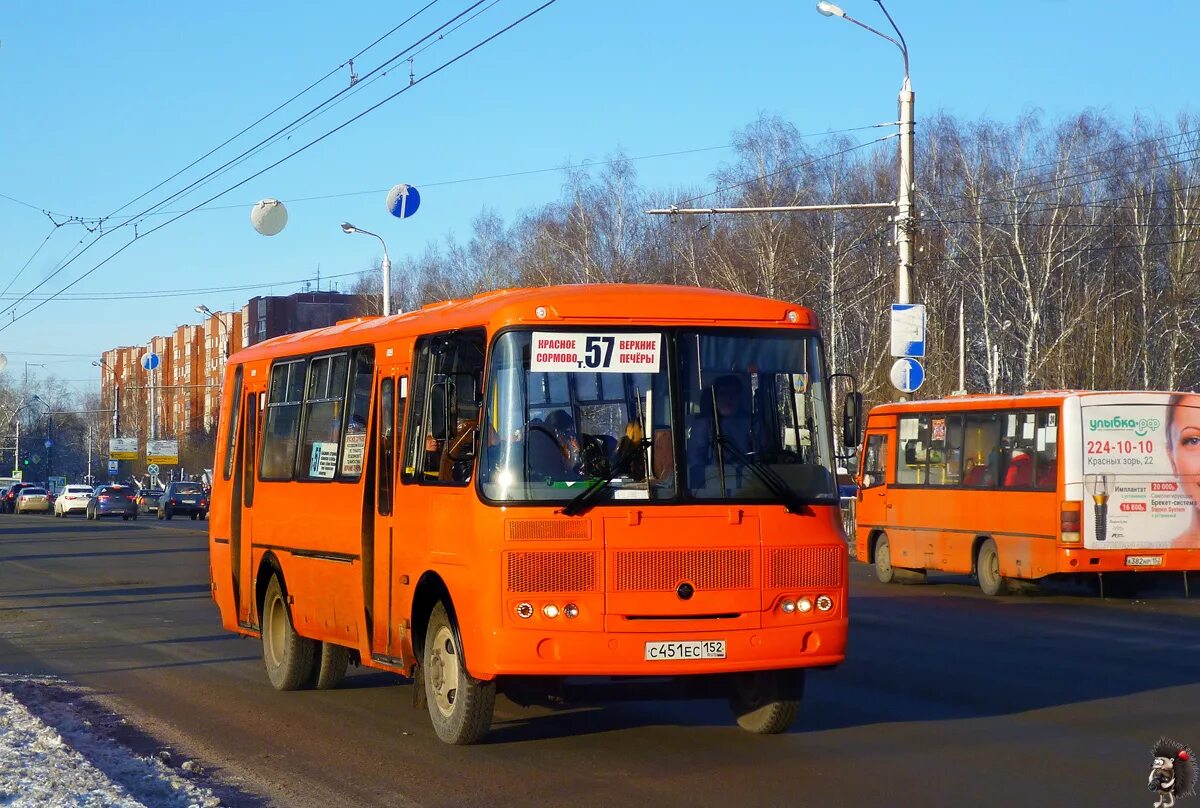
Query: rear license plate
{"points": [[188, 501], [685, 649], [1143, 561]]}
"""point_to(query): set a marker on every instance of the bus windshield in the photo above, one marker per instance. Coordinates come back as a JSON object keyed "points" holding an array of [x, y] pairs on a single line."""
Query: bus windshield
{"points": [[758, 412], [578, 409], [568, 410]]}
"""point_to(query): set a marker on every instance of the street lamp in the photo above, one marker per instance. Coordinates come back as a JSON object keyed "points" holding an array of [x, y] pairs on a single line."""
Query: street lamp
{"points": [[387, 265], [207, 312], [904, 205]]}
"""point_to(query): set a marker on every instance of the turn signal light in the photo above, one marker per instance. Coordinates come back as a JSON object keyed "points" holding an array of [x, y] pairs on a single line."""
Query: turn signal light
{"points": [[524, 610], [1070, 525], [824, 603]]}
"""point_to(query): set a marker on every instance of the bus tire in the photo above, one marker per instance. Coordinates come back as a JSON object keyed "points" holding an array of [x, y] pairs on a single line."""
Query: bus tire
{"points": [[329, 666], [764, 703], [884, 570], [288, 657], [460, 706], [987, 570]]}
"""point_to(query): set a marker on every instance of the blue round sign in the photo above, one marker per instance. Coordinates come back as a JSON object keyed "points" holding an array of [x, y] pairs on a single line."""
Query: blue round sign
{"points": [[403, 201], [907, 374], [150, 361]]}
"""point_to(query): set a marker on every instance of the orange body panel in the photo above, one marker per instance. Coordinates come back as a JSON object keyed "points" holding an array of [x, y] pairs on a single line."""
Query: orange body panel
{"points": [[352, 575]]}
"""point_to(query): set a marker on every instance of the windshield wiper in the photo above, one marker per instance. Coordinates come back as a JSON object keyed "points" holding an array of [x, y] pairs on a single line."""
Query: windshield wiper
{"points": [[584, 498], [768, 476]]}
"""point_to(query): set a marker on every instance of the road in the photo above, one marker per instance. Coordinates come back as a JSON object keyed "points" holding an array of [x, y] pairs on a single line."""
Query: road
{"points": [[948, 698]]}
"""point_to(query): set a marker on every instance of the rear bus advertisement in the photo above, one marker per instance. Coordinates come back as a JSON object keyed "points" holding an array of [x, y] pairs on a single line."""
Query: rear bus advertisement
{"points": [[1141, 474]]}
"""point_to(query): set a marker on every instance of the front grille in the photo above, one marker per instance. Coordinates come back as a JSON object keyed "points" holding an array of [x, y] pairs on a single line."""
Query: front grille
{"points": [[552, 571], [549, 529], [664, 570], [803, 567]]}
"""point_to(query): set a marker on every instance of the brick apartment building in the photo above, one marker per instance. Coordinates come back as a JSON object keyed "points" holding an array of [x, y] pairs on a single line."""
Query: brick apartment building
{"points": [[187, 383]]}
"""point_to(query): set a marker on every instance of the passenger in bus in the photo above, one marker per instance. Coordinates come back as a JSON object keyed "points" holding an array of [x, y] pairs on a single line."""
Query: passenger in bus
{"points": [[631, 443], [562, 426], [1183, 447], [1020, 470]]}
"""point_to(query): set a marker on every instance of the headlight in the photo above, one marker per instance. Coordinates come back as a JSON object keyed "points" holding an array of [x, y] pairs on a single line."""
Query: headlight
{"points": [[550, 610], [788, 606], [571, 611], [805, 605]]}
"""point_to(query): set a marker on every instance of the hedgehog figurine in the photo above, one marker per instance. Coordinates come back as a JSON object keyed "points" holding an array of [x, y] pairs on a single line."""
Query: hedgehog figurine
{"points": [[1173, 773]]}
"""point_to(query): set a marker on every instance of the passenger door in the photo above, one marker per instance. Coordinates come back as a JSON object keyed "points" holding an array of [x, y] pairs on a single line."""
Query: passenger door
{"points": [[391, 393], [871, 510], [247, 456]]}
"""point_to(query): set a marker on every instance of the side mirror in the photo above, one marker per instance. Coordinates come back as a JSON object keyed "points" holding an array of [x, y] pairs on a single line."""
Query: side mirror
{"points": [[852, 420]]}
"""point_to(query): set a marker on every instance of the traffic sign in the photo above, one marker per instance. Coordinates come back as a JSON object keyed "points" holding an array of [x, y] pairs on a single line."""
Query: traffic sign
{"points": [[36, 459], [152, 469], [48, 443], [150, 361], [907, 374], [908, 329], [114, 467], [403, 201]]}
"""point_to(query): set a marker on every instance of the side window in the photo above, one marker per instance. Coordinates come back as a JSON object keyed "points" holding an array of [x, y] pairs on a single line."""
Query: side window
{"points": [[323, 412], [874, 456], [1020, 454], [281, 428], [945, 450], [354, 439], [1046, 445], [386, 431], [911, 466], [251, 419], [445, 422], [981, 450], [231, 423]]}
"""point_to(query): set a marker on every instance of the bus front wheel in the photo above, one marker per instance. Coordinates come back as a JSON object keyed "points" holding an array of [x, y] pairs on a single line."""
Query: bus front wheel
{"points": [[766, 702], [460, 705], [287, 656], [987, 570], [884, 570]]}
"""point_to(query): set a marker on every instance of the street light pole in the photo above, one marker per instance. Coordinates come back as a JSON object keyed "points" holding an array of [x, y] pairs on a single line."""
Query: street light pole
{"points": [[905, 213], [386, 265]]}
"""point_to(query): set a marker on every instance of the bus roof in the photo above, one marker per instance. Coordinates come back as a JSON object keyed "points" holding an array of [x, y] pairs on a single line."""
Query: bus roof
{"points": [[983, 401], [610, 304]]}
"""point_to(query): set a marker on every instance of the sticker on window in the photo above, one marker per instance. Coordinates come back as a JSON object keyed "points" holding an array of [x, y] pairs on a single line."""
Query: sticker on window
{"points": [[323, 462], [595, 353], [352, 460]]}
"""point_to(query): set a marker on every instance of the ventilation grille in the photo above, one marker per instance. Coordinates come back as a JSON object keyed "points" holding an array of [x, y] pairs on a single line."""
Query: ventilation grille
{"points": [[549, 530], [803, 567], [552, 571], [664, 570]]}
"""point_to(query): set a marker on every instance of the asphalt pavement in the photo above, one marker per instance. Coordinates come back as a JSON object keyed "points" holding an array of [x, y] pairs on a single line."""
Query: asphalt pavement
{"points": [[948, 698]]}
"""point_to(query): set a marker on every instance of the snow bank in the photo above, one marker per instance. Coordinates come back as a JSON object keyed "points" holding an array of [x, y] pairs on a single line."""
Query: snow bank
{"points": [[52, 754]]}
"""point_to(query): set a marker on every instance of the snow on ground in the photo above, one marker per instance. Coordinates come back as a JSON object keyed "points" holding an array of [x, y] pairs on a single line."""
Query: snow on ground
{"points": [[52, 754]]}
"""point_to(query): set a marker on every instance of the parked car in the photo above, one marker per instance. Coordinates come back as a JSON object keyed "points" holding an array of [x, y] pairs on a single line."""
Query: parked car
{"points": [[183, 498], [113, 500], [73, 499], [33, 500], [147, 500], [9, 503]]}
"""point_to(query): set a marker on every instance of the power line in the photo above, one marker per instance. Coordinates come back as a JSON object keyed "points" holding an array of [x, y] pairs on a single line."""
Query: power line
{"points": [[1064, 251], [286, 157]]}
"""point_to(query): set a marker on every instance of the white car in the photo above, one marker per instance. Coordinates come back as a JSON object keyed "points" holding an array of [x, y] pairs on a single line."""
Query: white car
{"points": [[73, 499]]}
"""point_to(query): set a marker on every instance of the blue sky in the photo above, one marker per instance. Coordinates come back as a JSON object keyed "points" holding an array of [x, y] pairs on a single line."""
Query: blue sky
{"points": [[103, 101]]}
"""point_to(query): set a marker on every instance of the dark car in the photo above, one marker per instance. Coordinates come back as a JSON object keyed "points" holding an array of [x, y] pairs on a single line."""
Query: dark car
{"points": [[182, 498], [9, 503], [147, 500], [113, 500]]}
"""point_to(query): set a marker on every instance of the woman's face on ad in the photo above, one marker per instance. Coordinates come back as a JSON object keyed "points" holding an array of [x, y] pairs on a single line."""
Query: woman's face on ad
{"points": [[1185, 444]]}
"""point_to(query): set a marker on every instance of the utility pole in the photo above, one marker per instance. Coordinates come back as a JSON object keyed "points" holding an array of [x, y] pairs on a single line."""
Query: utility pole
{"points": [[905, 223]]}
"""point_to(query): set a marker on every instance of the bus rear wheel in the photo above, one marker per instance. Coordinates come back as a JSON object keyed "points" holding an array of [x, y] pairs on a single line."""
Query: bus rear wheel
{"points": [[767, 702], [329, 666], [987, 570], [460, 705], [288, 657]]}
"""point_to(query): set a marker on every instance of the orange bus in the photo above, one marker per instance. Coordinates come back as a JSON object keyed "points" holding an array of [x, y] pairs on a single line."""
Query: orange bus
{"points": [[534, 485], [1017, 488]]}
